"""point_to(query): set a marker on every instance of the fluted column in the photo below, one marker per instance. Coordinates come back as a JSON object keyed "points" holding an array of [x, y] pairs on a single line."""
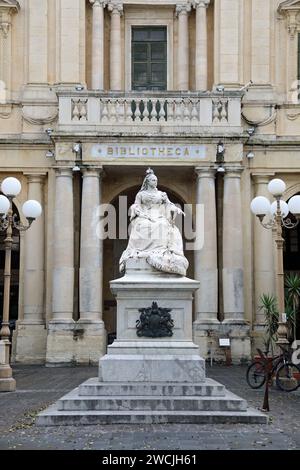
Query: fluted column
{"points": [[91, 248], [63, 247], [116, 9], [201, 44], [182, 11], [34, 274], [98, 44], [206, 267], [233, 269], [264, 280]]}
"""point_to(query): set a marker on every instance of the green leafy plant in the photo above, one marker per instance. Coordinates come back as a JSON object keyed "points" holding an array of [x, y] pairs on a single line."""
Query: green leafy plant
{"points": [[270, 309], [292, 297]]}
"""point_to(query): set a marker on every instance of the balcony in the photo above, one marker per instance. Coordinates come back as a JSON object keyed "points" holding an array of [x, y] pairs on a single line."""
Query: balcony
{"points": [[134, 113]]}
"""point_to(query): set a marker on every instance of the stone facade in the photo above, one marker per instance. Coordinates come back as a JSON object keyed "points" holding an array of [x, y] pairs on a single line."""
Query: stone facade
{"points": [[65, 78]]}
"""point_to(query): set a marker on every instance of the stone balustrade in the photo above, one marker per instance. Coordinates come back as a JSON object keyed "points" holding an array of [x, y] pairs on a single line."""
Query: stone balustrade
{"points": [[158, 112]]}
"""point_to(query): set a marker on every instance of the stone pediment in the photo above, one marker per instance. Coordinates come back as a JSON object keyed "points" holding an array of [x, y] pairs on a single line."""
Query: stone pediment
{"points": [[289, 5]]}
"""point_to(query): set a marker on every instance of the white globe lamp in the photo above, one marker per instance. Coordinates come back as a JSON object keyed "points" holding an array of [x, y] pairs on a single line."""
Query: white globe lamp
{"points": [[32, 209], [284, 208], [277, 187], [260, 206], [4, 205]]}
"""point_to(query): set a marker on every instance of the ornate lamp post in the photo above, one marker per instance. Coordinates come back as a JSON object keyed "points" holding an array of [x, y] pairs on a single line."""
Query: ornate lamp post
{"points": [[11, 187], [278, 212]]}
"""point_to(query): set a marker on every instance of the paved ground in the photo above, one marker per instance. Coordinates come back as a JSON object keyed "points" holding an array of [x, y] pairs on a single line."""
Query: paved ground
{"points": [[37, 387]]}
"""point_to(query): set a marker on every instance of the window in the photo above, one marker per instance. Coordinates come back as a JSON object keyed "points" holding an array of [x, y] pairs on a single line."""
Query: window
{"points": [[149, 58]]}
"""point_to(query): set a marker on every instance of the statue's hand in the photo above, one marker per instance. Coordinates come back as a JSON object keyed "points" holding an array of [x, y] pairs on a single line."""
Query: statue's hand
{"points": [[180, 212], [176, 211]]}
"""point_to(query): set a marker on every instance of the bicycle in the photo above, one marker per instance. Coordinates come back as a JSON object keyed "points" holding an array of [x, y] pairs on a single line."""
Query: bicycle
{"points": [[287, 374]]}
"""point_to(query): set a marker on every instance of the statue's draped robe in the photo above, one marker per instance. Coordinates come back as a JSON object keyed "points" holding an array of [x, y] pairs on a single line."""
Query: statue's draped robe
{"points": [[153, 234]]}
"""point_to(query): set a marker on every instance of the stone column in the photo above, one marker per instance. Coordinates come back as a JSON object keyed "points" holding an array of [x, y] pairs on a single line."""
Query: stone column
{"points": [[116, 9], [62, 338], [201, 44], [182, 11], [91, 249], [206, 264], [63, 247], [264, 280], [31, 333], [233, 270], [34, 274], [98, 44], [92, 344]]}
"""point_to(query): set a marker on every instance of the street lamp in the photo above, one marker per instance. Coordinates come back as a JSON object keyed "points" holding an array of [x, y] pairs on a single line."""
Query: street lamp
{"points": [[277, 213], [11, 187]]}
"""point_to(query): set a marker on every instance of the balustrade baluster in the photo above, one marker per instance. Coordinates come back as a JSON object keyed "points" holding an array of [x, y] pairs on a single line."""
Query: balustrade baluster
{"points": [[224, 117], [113, 114], [75, 114], [170, 110], [186, 109], [194, 113], [138, 114]]}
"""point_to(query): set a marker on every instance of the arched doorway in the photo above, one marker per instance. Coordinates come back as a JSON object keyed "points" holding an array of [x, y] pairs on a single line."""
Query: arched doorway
{"points": [[15, 266], [292, 257], [113, 250]]}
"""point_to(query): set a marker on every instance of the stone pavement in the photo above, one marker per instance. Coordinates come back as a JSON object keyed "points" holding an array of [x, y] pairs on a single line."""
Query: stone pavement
{"points": [[38, 387]]}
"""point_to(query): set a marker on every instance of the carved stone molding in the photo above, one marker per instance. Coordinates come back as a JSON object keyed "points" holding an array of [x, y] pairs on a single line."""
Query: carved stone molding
{"points": [[115, 7], [10, 6], [31, 115], [201, 3], [291, 10], [100, 3], [4, 29], [183, 8]]}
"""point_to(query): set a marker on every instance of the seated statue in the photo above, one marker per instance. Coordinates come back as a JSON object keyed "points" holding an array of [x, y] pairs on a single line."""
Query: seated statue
{"points": [[153, 233]]}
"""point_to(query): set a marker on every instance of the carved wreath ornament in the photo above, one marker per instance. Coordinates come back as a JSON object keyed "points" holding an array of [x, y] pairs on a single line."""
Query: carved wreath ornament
{"points": [[155, 322]]}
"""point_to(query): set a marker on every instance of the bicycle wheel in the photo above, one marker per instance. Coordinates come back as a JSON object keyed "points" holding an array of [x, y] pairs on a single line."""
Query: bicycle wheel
{"points": [[255, 375], [287, 377]]}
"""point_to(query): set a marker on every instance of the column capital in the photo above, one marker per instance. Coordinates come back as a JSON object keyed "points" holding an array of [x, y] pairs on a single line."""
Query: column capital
{"points": [[183, 8], [205, 172], [200, 3], [233, 172], [262, 178], [35, 177], [93, 171], [64, 171], [98, 3], [115, 7]]}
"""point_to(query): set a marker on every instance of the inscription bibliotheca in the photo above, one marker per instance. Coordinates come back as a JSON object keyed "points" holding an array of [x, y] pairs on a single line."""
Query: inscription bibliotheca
{"points": [[113, 150]]}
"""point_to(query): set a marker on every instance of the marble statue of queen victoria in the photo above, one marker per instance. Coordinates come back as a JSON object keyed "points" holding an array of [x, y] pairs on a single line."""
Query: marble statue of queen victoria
{"points": [[153, 233]]}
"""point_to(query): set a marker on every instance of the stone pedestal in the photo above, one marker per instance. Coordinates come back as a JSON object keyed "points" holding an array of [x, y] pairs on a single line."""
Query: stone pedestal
{"points": [[151, 380], [31, 340], [7, 382], [139, 359]]}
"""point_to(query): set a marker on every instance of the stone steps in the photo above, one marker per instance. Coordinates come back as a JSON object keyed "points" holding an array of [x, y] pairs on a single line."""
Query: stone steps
{"points": [[52, 417], [72, 402], [149, 403], [93, 387]]}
